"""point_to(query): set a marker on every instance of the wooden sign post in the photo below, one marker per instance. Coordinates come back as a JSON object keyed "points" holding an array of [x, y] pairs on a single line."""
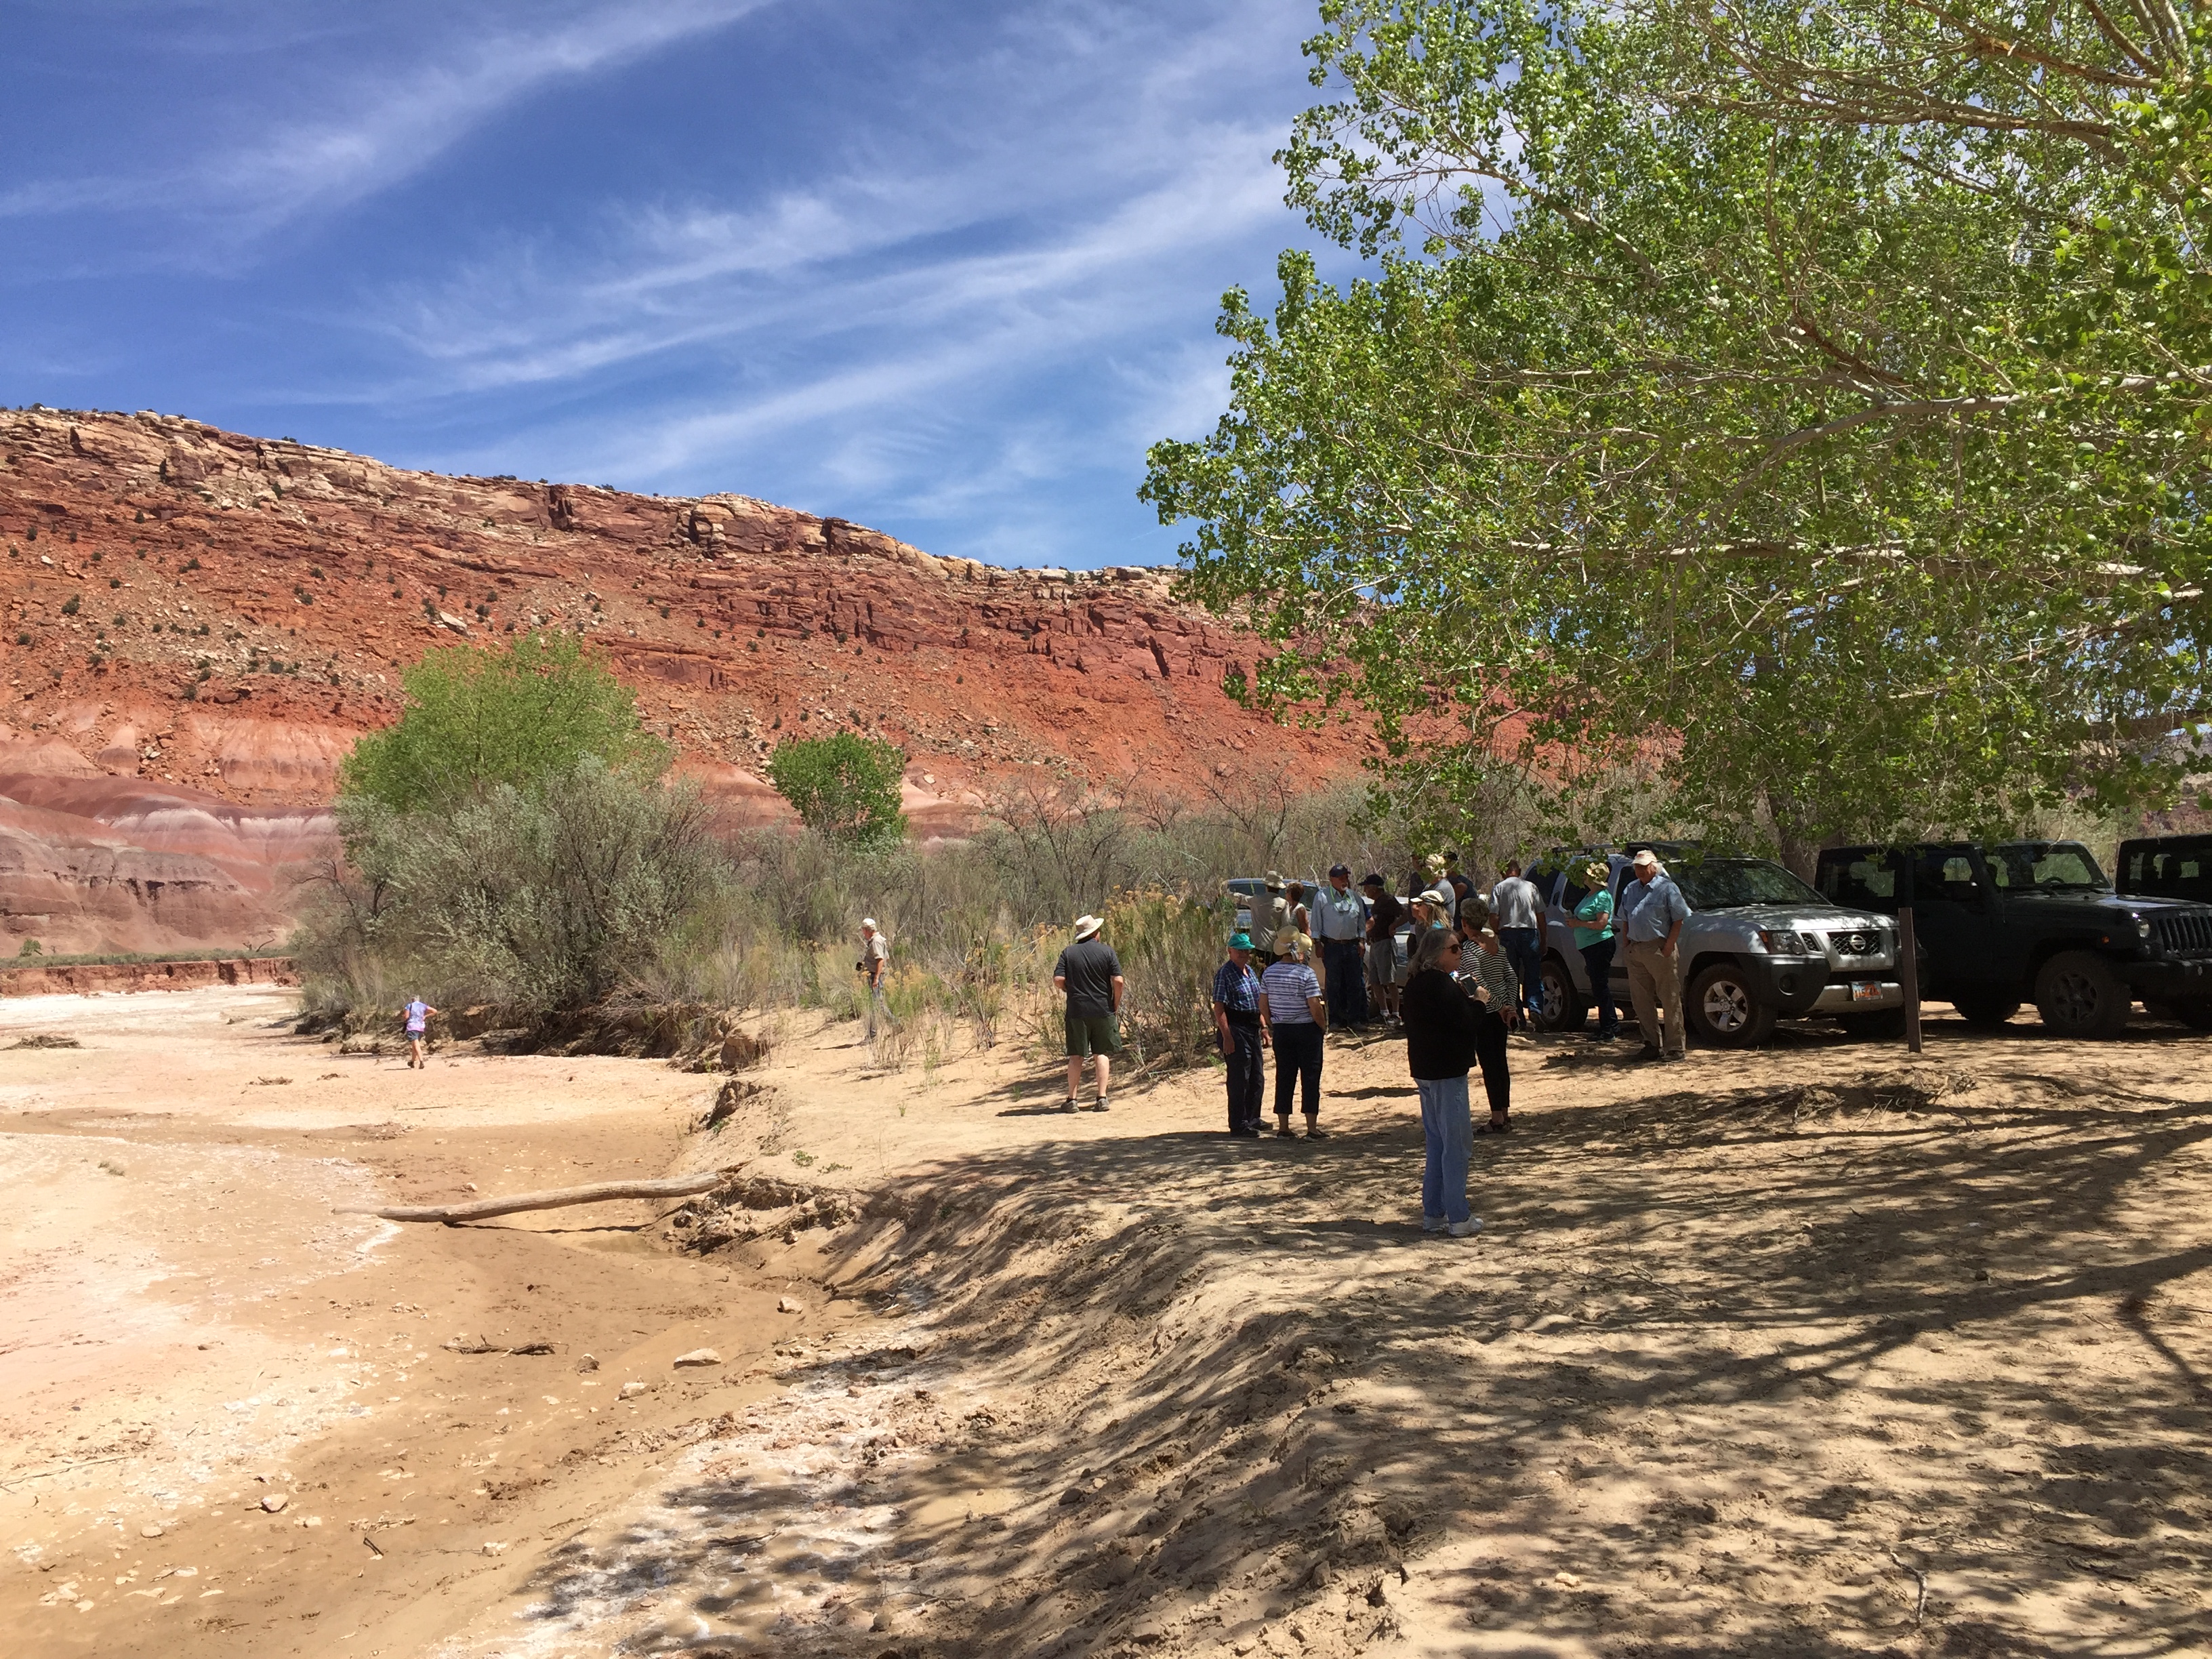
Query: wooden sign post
{"points": [[1909, 963]]}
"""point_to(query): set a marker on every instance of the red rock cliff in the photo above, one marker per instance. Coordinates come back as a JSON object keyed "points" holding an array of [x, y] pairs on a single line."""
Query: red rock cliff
{"points": [[218, 617]]}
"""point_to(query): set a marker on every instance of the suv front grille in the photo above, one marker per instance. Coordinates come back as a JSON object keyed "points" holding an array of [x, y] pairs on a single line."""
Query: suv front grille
{"points": [[1858, 942], [2185, 936]]}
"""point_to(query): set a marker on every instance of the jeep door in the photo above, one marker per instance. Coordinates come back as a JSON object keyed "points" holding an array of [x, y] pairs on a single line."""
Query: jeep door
{"points": [[1952, 917]]}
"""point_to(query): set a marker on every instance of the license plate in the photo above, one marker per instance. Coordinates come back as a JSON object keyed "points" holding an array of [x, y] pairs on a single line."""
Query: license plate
{"points": [[1866, 990]]}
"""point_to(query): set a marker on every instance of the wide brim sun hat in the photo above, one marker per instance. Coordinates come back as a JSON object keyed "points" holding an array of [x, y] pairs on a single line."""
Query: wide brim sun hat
{"points": [[1086, 925]]}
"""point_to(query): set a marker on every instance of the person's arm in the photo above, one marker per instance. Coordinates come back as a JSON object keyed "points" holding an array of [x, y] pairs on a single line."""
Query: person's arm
{"points": [[1319, 1010], [1113, 994], [1059, 974], [1679, 908], [1221, 1026]]}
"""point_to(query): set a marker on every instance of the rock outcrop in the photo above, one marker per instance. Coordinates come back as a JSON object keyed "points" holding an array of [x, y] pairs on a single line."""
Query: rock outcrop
{"points": [[198, 621]]}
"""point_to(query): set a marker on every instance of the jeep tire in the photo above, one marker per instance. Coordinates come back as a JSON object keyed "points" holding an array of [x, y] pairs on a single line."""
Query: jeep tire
{"points": [[1726, 1009], [1985, 1009], [2197, 1016], [2078, 995], [1563, 1007]]}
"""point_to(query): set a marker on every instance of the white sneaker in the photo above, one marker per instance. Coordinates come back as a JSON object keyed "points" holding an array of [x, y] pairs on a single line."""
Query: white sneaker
{"points": [[1466, 1229], [1433, 1224]]}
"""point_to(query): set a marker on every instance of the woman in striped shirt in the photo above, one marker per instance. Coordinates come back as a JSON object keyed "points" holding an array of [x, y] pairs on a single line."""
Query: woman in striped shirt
{"points": [[1295, 1017], [1486, 973]]}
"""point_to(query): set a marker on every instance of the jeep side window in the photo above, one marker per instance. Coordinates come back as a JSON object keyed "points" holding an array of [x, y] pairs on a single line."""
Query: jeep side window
{"points": [[1942, 877], [1861, 885]]}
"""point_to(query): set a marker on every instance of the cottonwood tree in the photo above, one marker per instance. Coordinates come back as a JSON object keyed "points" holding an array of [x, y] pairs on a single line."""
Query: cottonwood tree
{"points": [[1811, 402]]}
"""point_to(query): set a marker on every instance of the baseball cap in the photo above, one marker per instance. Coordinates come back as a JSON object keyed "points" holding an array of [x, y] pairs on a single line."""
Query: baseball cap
{"points": [[1335, 870], [868, 921], [1647, 856], [1371, 879], [1240, 941]]}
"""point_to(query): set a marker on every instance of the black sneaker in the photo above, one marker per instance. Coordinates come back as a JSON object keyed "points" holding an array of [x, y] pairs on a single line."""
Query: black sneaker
{"points": [[1246, 1132]]}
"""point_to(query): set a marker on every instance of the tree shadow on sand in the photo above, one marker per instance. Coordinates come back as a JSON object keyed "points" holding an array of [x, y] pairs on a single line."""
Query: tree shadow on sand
{"points": [[1727, 1372]]}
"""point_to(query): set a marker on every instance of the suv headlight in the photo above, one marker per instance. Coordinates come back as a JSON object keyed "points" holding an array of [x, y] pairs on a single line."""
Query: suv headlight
{"points": [[2142, 927], [1782, 942]]}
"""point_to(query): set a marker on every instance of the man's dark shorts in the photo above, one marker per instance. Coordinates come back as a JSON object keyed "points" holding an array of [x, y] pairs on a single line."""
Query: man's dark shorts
{"points": [[1093, 1034]]}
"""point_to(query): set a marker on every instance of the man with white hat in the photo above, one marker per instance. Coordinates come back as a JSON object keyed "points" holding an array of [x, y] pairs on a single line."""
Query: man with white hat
{"points": [[875, 960], [1652, 912], [1089, 975]]}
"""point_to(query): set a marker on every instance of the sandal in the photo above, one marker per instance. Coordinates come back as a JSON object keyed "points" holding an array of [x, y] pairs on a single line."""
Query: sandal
{"points": [[1495, 1127]]}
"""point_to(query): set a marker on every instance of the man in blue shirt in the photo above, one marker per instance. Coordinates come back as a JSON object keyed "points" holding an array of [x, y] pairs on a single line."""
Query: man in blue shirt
{"points": [[1340, 928], [1237, 1022], [1652, 912]]}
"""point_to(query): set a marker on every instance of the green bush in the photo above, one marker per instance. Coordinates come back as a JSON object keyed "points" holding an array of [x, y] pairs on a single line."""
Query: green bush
{"points": [[541, 900], [477, 720], [845, 787]]}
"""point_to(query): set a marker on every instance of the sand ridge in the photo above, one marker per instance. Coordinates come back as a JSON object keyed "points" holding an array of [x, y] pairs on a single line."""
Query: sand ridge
{"points": [[1816, 1350]]}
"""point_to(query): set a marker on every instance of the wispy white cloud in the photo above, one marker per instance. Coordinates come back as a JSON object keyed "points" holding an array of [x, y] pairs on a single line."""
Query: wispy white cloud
{"points": [[373, 125], [1053, 237], [943, 265]]}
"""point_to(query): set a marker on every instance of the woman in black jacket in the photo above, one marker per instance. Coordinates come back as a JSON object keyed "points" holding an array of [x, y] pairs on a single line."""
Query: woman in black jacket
{"points": [[1440, 1046]]}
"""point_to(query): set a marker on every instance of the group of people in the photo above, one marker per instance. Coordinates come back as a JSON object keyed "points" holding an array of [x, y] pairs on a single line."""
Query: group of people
{"points": [[1471, 975], [1467, 976]]}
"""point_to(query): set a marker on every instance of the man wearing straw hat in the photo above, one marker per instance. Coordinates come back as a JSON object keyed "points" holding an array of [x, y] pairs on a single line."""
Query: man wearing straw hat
{"points": [[1089, 975], [1271, 915]]}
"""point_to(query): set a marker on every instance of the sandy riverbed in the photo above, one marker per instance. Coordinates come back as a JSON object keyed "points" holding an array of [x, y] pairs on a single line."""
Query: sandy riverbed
{"points": [[1819, 1350]]}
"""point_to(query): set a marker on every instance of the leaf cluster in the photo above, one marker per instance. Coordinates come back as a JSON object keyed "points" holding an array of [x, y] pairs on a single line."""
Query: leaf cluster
{"points": [[476, 720], [1809, 402], [844, 787]]}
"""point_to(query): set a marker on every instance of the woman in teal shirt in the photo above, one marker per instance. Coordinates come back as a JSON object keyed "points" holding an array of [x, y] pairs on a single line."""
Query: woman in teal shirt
{"points": [[1594, 939]]}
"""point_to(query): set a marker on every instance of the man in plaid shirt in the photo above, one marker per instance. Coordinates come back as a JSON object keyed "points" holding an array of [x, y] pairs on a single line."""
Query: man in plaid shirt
{"points": [[1237, 1022]]}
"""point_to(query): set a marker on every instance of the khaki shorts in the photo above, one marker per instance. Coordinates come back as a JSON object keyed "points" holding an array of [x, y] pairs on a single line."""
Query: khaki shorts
{"points": [[1093, 1034]]}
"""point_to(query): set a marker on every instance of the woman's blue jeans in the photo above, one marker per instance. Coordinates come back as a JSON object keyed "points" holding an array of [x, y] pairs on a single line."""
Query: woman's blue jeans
{"points": [[1450, 1131]]}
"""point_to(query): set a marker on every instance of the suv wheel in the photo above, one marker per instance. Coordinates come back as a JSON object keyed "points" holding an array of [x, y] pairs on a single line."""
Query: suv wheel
{"points": [[2078, 995], [1991, 1008], [2197, 1016], [1564, 1008], [1725, 1009]]}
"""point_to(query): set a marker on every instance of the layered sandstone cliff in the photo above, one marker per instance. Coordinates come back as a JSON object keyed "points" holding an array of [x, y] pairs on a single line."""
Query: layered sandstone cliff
{"points": [[214, 618]]}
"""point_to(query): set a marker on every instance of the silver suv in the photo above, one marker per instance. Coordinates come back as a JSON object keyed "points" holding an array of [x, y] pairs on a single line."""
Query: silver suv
{"points": [[1759, 945]]}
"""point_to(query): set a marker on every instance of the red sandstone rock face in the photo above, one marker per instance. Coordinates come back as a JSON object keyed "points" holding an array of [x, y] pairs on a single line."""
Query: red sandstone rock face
{"points": [[218, 616], [102, 978]]}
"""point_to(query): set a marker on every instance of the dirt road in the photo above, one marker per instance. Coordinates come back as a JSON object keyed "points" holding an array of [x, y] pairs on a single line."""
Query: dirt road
{"points": [[1816, 1351]]}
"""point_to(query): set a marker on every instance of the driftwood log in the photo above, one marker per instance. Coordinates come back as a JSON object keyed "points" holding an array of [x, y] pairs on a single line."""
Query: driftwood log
{"points": [[483, 1208]]}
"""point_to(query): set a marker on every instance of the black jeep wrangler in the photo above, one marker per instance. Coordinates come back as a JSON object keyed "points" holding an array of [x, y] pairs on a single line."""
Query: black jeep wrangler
{"points": [[2035, 920]]}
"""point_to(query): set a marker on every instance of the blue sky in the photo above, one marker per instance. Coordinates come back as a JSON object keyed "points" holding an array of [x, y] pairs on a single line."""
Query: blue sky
{"points": [[944, 269]]}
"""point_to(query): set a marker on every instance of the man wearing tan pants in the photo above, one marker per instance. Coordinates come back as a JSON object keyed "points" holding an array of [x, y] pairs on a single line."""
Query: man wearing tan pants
{"points": [[1652, 912]]}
